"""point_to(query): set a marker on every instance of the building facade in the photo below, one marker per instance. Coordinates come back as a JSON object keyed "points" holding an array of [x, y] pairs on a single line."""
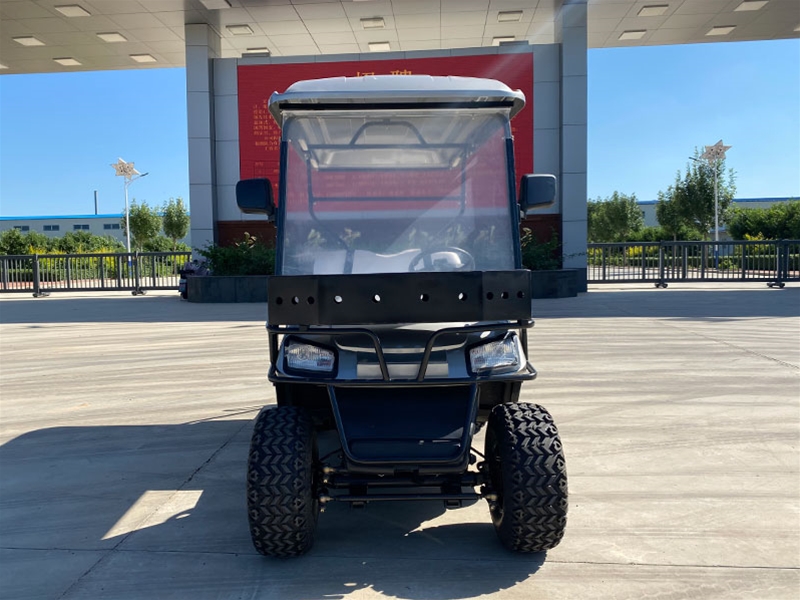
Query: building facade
{"points": [[57, 225]]}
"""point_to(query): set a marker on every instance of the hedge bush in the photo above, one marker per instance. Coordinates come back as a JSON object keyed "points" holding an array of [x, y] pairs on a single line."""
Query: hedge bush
{"points": [[248, 256]]}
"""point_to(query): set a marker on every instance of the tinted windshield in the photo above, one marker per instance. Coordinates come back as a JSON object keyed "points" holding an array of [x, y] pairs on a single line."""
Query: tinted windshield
{"points": [[396, 191]]}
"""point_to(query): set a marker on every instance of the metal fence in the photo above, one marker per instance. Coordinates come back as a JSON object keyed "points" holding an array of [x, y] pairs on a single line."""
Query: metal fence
{"points": [[137, 272], [773, 262]]}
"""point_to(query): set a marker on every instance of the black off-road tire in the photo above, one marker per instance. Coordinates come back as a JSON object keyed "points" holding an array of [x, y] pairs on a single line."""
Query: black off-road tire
{"points": [[281, 498], [528, 475]]}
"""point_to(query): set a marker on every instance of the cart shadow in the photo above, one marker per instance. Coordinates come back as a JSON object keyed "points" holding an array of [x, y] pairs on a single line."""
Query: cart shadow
{"points": [[165, 506], [674, 302]]}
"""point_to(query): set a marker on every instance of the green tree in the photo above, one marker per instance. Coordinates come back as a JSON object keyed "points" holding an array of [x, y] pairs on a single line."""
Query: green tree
{"points": [[80, 242], [614, 219], [13, 242], [688, 204], [175, 221], [672, 223], [668, 215], [145, 224], [778, 222], [162, 243], [38, 243]]}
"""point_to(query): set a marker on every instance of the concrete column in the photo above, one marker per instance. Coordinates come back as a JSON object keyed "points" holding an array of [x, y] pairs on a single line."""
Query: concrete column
{"points": [[547, 114], [202, 46], [226, 142], [570, 32]]}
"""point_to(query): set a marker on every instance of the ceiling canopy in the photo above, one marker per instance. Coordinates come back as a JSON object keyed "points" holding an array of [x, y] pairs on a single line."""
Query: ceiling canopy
{"points": [[42, 36]]}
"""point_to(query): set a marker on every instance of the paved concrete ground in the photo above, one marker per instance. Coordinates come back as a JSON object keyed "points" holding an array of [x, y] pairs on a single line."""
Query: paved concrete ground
{"points": [[124, 426]]}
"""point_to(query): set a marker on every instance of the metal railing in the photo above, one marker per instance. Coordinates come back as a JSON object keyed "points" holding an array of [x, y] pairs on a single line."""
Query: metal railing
{"points": [[774, 262], [137, 271]]}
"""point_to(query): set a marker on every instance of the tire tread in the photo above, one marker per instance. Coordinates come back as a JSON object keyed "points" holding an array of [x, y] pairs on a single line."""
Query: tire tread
{"points": [[281, 507], [532, 511]]}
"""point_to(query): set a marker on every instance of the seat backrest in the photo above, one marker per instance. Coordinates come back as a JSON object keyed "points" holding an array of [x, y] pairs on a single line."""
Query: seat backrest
{"points": [[371, 262], [330, 263]]}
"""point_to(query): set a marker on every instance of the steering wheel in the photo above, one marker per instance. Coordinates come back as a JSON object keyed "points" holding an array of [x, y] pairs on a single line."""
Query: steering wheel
{"points": [[426, 257]]}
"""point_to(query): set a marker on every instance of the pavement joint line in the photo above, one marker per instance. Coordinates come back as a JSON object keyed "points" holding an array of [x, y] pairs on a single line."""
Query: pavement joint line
{"points": [[213, 455], [660, 321], [116, 548], [735, 347], [243, 411]]}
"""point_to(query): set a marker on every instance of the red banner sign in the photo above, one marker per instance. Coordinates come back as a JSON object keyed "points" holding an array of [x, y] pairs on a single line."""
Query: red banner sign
{"points": [[259, 135]]}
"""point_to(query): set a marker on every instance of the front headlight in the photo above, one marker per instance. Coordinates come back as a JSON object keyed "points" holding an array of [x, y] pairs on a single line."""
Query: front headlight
{"points": [[307, 357], [503, 354]]}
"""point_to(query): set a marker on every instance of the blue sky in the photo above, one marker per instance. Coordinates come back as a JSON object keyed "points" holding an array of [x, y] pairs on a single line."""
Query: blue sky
{"points": [[59, 134], [649, 108]]}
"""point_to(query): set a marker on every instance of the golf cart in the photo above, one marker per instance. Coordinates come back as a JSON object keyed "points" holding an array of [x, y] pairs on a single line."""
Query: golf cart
{"points": [[399, 312]]}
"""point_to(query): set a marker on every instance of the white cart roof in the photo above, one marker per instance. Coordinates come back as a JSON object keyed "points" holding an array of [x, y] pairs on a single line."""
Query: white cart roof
{"points": [[400, 91]]}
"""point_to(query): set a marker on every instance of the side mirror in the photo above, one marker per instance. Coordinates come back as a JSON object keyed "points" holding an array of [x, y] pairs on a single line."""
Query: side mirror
{"points": [[254, 197], [536, 191]]}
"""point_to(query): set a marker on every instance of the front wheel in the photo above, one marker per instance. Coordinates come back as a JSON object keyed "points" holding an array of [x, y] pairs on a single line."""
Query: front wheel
{"points": [[282, 505], [528, 477]]}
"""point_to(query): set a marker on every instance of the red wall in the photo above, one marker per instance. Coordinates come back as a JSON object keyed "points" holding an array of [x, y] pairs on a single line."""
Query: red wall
{"points": [[259, 135]]}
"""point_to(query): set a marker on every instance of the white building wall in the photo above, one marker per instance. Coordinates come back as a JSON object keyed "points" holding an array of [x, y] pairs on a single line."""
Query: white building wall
{"points": [[57, 226]]}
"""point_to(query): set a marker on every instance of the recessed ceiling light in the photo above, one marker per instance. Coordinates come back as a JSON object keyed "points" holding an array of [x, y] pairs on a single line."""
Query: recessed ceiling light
{"points": [[496, 41], [215, 4], [509, 16], [28, 41], [112, 36], [654, 10], [264, 50], [373, 23], [751, 5], [632, 35], [143, 58], [721, 30], [239, 29], [380, 47], [73, 10], [67, 62]]}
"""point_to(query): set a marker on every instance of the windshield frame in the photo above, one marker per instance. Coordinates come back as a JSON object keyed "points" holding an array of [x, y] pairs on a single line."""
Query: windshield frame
{"points": [[511, 198]]}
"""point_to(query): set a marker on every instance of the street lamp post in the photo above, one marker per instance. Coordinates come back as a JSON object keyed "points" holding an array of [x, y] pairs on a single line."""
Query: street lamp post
{"points": [[127, 170], [712, 155]]}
